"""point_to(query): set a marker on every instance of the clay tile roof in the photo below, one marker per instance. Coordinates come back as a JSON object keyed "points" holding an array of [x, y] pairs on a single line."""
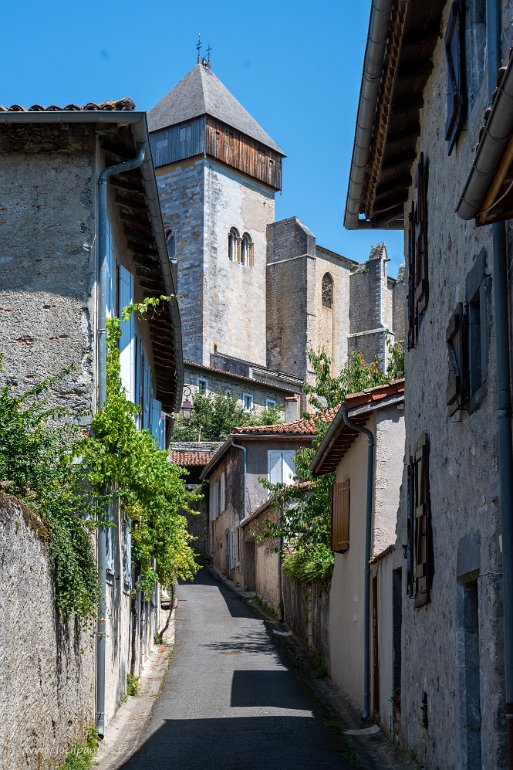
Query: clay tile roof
{"points": [[374, 395], [188, 459], [304, 427], [124, 105]]}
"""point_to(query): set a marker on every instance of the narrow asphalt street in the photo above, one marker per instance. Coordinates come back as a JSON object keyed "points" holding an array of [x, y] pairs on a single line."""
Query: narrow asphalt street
{"points": [[229, 700]]}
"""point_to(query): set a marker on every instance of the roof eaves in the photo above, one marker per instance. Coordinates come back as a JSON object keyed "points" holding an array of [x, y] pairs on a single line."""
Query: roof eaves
{"points": [[359, 410], [369, 90], [497, 132]]}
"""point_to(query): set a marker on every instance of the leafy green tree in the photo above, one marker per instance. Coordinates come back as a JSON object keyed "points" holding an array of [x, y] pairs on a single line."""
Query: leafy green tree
{"points": [[214, 417], [304, 524]]}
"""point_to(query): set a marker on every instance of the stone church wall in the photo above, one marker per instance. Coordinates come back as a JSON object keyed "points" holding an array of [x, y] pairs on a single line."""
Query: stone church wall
{"points": [[463, 475], [181, 191], [46, 665], [235, 321]]}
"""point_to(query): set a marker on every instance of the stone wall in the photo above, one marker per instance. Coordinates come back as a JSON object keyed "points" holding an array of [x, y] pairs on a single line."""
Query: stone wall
{"points": [[46, 666], [46, 309], [235, 324], [307, 610], [463, 473], [181, 192]]}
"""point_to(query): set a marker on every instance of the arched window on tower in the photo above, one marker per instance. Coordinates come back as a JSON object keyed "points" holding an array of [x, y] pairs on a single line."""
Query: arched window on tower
{"points": [[247, 251], [234, 248], [170, 243], [327, 290]]}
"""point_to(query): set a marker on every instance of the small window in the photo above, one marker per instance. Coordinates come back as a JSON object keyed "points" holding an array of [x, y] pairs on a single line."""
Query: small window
{"points": [[247, 254], [170, 243], [327, 290], [247, 402], [281, 466], [202, 385], [234, 248], [270, 403], [185, 133], [340, 506]]}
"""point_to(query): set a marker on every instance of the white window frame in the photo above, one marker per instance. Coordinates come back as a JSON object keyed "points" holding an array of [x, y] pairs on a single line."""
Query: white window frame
{"points": [[127, 551], [222, 493], [202, 381], [127, 339], [214, 501], [281, 467], [250, 397]]}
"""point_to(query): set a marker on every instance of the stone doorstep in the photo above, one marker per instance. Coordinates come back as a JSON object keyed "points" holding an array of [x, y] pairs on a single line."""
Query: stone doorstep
{"points": [[125, 731]]}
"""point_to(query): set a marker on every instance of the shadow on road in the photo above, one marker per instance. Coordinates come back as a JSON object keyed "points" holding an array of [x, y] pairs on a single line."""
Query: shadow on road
{"points": [[245, 743]]}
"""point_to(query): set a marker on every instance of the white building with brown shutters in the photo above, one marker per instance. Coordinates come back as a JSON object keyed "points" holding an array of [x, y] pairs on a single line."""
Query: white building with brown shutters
{"points": [[379, 411], [425, 160]]}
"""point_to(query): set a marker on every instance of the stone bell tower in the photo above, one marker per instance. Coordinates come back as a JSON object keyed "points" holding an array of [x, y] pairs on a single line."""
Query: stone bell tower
{"points": [[218, 172]]}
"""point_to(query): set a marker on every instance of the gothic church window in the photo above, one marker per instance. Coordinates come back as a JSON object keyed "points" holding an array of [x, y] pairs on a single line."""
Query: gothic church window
{"points": [[234, 245], [327, 290]]}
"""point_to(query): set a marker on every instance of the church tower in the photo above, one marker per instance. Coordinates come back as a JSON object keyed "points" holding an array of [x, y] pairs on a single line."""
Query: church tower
{"points": [[218, 172]]}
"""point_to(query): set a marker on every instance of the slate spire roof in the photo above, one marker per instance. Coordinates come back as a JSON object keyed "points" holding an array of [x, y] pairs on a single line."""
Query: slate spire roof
{"points": [[201, 92]]}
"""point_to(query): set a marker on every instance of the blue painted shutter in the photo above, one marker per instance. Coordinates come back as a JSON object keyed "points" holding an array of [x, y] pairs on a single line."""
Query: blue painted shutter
{"points": [[127, 340], [127, 551], [108, 288], [138, 378], [146, 412], [155, 419], [111, 542]]}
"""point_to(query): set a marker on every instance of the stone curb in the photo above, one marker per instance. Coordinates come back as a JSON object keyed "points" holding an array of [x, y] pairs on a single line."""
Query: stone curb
{"points": [[126, 730]]}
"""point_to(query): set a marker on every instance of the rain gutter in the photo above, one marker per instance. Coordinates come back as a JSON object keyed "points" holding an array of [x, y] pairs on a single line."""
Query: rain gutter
{"points": [[369, 90]]}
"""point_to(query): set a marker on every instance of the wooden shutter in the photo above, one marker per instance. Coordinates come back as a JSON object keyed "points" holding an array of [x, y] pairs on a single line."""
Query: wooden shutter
{"points": [[456, 86], [340, 517], [423, 551], [410, 526], [411, 279], [421, 239], [251, 254], [457, 385]]}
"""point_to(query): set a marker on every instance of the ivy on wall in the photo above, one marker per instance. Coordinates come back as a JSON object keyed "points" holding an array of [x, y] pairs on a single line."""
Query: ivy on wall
{"points": [[65, 479]]}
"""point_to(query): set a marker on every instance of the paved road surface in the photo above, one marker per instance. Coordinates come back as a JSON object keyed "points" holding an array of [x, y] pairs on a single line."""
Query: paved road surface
{"points": [[229, 701]]}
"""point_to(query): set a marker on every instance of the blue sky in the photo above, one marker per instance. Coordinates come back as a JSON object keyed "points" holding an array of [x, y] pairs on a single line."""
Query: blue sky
{"points": [[294, 64]]}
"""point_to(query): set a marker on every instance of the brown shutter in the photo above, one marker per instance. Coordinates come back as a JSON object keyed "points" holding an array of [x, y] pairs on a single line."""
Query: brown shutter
{"points": [[410, 526], [340, 517], [251, 254], [423, 556], [421, 239], [411, 279], [457, 349], [456, 87]]}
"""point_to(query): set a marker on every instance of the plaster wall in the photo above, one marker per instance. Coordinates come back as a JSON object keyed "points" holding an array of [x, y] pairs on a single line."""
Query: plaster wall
{"points": [[463, 470], [47, 267], [388, 475], [346, 619], [46, 665]]}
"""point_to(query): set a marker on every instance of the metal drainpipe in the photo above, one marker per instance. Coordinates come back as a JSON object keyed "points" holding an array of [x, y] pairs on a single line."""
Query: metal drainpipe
{"points": [[102, 394], [368, 541], [244, 469], [500, 283]]}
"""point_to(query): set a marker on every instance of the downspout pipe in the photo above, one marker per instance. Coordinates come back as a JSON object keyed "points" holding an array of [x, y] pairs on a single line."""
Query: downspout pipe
{"points": [[500, 283], [101, 336], [368, 545], [244, 483]]}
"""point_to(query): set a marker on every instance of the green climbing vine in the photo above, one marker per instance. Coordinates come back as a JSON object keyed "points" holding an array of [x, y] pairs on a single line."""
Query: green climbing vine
{"points": [[65, 479], [38, 465], [149, 488]]}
